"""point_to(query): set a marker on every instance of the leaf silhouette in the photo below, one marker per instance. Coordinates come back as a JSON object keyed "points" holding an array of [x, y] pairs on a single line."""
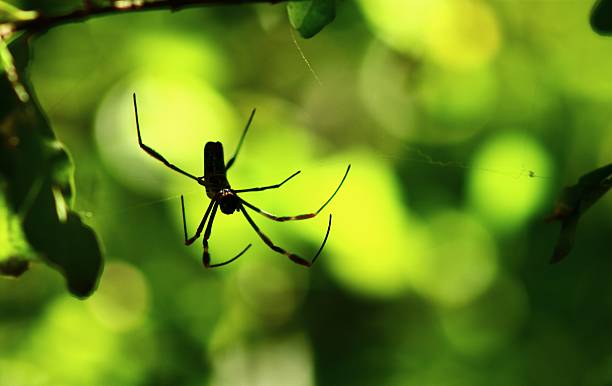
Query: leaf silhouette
{"points": [[36, 186], [601, 17], [309, 17], [574, 201]]}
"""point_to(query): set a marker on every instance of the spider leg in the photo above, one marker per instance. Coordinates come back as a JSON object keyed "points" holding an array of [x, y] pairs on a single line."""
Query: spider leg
{"points": [[189, 241], [246, 128], [269, 186], [295, 258], [155, 154], [207, 232], [299, 216]]}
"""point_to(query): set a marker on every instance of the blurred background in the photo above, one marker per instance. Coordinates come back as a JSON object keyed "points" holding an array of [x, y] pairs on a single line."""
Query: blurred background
{"points": [[462, 120]]}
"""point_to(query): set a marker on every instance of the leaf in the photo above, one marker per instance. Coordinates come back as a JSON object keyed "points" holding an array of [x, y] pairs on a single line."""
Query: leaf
{"points": [[8, 65], [71, 247], [36, 181], [574, 201], [10, 13], [14, 266], [309, 17], [14, 250], [601, 17], [50, 8]]}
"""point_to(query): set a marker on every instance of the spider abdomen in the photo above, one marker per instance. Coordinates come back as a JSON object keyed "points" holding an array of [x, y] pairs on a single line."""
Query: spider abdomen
{"points": [[215, 177], [214, 163]]}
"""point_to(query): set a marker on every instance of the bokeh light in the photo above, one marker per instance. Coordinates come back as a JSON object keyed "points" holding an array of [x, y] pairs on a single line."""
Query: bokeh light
{"points": [[282, 362], [176, 112], [367, 261], [464, 34], [122, 299], [400, 23], [16, 372], [69, 337], [178, 53], [384, 83], [573, 54], [509, 180], [458, 105], [459, 35], [460, 264]]}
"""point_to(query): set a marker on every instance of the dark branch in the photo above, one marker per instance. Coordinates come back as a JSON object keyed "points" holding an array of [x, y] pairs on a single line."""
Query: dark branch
{"points": [[44, 22]]}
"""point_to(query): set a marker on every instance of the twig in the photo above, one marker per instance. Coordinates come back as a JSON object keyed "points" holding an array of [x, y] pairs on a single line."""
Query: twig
{"points": [[44, 22]]}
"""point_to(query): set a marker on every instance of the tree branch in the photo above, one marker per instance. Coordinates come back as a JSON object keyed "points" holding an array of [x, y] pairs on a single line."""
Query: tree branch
{"points": [[44, 22]]}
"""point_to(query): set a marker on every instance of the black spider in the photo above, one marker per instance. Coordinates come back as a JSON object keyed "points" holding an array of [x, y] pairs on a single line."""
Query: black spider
{"points": [[223, 196]]}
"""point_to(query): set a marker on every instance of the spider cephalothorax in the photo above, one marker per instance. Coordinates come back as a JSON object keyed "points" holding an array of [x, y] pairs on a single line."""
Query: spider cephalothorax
{"points": [[222, 195], [228, 201]]}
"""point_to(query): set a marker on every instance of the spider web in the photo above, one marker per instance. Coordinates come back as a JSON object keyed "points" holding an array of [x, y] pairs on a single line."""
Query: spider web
{"points": [[304, 58], [419, 156]]}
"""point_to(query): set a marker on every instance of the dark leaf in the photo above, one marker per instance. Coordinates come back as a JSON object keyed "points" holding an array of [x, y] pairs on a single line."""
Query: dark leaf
{"points": [[309, 17], [574, 201], [70, 246], [36, 179], [601, 17], [14, 266], [15, 252], [54, 7]]}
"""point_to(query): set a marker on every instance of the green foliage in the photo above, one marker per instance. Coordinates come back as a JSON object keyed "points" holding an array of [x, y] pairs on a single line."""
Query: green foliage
{"points": [[14, 250], [7, 65], [10, 13], [36, 177], [437, 255], [601, 17], [574, 202], [309, 17]]}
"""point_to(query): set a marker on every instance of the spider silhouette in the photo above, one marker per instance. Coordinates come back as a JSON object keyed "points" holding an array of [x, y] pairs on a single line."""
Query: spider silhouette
{"points": [[224, 197]]}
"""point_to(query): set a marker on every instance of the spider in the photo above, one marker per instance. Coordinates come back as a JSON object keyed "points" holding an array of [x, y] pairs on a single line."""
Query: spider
{"points": [[224, 197]]}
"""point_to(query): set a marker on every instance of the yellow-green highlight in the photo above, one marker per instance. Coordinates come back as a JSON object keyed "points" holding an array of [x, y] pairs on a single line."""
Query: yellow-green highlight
{"points": [[509, 180], [69, 337], [401, 23], [373, 243], [178, 53], [463, 35], [460, 104], [459, 35], [178, 114]]}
